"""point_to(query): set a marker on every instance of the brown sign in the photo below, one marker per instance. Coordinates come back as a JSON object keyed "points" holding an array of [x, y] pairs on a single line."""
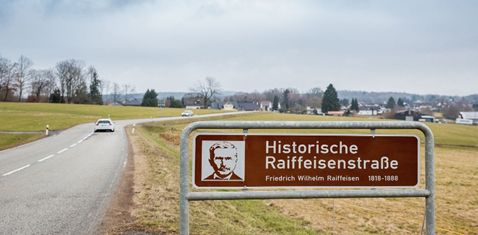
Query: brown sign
{"points": [[260, 160]]}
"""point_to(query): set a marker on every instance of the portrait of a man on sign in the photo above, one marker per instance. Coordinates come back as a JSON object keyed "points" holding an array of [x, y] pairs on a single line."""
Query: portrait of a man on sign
{"points": [[224, 161]]}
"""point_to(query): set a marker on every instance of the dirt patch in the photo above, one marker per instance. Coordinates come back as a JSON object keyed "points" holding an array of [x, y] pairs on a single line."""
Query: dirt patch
{"points": [[171, 135]]}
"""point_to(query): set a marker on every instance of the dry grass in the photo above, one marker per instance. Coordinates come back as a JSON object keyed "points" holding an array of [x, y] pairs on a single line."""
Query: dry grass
{"points": [[456, 202], [156, 189]]}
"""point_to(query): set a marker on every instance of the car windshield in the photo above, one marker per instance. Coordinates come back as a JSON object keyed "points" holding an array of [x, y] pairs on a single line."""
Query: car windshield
{"points": [[104, 122]]}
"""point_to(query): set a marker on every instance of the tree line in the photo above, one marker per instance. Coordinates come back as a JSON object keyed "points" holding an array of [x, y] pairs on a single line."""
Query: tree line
{"points": [[69, 81], [290, 100], [206, 92]]}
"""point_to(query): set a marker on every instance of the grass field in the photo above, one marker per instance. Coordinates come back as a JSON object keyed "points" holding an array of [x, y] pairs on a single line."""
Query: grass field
{"points": [[35, 116], [12, 140], [156, 198]]}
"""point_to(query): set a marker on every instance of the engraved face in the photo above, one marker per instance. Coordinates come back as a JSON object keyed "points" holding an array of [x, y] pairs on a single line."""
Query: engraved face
{"points": [[224, 160]]}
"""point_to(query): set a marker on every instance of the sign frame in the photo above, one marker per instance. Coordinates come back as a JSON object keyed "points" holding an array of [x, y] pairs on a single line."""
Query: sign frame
{"points": [[303, 187], [185, 195]]}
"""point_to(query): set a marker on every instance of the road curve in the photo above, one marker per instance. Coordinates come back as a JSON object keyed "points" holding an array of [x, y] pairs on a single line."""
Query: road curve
{"points": [[62, 184]]}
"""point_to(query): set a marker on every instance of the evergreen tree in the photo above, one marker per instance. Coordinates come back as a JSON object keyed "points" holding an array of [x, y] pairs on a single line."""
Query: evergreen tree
{"points": [[330, 102], [176, 104], [55, 97], [355, 105], [173, 103], [390, 103], [400, 102], [275, 103], [286, 105], [80, 95], [345, 102], [150, 98], [95, 94]]}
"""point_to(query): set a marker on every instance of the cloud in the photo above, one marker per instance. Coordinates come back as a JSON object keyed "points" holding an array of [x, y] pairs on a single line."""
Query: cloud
{"points": [[254, 45]]}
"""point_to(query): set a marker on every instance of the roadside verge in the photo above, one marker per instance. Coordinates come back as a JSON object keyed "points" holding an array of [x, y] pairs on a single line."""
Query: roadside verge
{"points": [[153, 207]]}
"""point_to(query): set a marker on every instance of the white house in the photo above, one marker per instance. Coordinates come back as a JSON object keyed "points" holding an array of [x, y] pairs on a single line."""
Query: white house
{"points": [[367, 112], [265, 105], [468, 118], [228, 106], [193, 107]]}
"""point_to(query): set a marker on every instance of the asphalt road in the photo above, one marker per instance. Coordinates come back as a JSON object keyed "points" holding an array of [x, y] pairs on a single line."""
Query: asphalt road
{"points": [[62, 184]]}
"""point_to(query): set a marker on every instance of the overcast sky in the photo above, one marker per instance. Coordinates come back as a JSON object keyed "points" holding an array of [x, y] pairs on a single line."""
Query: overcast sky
{"points": [[411, 46]]}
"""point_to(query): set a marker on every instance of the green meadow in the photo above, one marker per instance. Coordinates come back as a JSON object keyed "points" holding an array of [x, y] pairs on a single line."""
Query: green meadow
{"points": [[34, 116], [31, 117]]}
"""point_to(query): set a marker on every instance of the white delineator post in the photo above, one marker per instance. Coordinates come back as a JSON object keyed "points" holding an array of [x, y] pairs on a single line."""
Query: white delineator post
{"points": [[47, 128]]}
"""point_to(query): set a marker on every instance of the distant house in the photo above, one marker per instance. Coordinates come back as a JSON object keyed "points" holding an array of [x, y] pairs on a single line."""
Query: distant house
{"points": [[228, 106], [470, 118], [367, 112], [371, 110], [217, 105], [427, 118], [193, 107], [265, 105], [248, 106], [336, 113], [313, 111], [408, 115], [130, 102], [192, 101]]}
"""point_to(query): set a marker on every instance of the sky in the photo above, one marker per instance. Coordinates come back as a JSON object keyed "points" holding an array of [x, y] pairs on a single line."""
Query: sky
{"points": [[424, 47]]}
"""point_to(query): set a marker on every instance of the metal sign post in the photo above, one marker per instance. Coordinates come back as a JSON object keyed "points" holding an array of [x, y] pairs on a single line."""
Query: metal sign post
{"points": [[428, 192]]}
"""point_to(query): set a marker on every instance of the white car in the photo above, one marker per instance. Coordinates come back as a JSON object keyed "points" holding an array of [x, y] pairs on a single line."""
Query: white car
{"points": [[187, 113], [104, 124]]}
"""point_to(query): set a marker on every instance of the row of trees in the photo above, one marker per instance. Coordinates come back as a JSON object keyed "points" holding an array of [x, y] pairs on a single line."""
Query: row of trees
{"points": [[16, 76], [70, 81], [291, 100], [391, 104]]}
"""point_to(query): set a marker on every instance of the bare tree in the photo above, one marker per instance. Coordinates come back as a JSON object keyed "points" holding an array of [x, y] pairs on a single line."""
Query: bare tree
{"points": [[127, 90], [42, 83], [105, 87], [271, 93], [76, 85], [7, 75], [116, 92], [207, 90], [4, 68], [71, 77], [62, 74], [22, 75], [314, 97], [51, 84]]}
